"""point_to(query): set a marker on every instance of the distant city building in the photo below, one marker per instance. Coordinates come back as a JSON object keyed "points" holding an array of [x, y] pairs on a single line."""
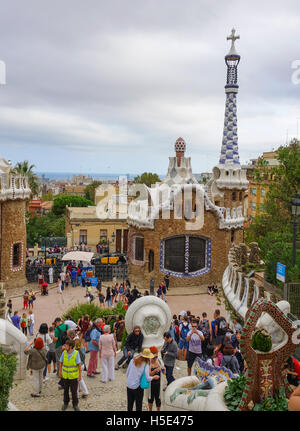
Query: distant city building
{"points": [[46, 207], [82, 180], [257, 192], [84, 226], [35, 207], [74, 190]]}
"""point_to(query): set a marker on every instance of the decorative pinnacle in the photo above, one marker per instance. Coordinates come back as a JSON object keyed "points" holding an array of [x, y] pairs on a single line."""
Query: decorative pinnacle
{"points": [[233, 38]]}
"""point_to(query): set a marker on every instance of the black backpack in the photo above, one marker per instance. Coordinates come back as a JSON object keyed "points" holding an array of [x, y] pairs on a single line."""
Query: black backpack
{"points": [[222, 327], [87, 335], [229, 364], [204, 328], [63, 335]]}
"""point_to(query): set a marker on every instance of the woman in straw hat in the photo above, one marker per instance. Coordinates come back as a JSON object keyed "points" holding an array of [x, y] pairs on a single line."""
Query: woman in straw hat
{"points": [[137, 366]]}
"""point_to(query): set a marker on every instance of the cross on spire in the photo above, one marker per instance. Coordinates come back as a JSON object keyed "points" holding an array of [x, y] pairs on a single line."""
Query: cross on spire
{"points": [[233, 38]]}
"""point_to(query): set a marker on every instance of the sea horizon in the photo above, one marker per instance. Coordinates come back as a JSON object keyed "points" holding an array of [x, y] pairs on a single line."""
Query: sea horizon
{"points": [[100, 176]]}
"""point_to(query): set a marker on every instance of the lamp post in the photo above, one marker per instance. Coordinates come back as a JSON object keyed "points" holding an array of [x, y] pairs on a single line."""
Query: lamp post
{"points": [[295, 213], [112, 240]]}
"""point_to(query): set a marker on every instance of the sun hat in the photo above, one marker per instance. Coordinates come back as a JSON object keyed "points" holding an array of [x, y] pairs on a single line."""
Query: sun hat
{"points": [[182, 313], [147, 354]]}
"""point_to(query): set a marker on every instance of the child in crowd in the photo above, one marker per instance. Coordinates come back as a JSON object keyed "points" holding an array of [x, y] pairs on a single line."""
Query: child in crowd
{"points": [[24, 323], [51, 352], [210, 354], [82, 386]]}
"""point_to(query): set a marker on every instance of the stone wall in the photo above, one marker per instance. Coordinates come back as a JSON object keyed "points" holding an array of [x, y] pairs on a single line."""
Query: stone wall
{"points": [[13, 230], [220, 245]]}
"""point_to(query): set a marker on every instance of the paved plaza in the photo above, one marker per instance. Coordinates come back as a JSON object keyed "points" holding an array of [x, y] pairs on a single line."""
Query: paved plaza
{"points": [[109, 396]]}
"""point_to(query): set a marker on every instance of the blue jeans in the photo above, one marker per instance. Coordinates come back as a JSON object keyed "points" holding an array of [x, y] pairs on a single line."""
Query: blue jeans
{"points": [[169, 374], [109, 302], [46, 367], [73, 281], [126, 356], [31, 329]]}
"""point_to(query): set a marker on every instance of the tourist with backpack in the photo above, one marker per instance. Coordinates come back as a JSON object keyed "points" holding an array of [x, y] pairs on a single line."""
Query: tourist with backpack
{"points": [[119, 327], [138, 379], [114, 293], [195, 339], [94, 336], [221, 328], [205, 328], [159, 292], [60, 337], [183, 346], [229, 360], [84, 324], [164, 291]]}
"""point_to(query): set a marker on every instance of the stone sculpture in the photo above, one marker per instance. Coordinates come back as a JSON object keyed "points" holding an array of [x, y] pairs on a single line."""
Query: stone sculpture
{"points": [[2, 302], [153, 316], [254, 253], [265, 369], [243, 254]]}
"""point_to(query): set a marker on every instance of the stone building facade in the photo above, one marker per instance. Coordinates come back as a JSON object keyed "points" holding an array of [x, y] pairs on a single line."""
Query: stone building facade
{"points": [[84, 226], [14, 193], [182, 228]]}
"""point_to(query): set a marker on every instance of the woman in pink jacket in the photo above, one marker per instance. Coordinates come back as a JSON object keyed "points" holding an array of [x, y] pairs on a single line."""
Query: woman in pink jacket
{"points": [[107, 354]]}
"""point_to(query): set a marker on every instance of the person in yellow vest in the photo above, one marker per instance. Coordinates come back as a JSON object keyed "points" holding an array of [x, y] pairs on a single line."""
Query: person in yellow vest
{"points": [[70, 372]]}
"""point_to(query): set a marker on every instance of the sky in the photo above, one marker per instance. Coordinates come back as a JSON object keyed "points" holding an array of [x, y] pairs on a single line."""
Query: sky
{"points": [[108, 86]]}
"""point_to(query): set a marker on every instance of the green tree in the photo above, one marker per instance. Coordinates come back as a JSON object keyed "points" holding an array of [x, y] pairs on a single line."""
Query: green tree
{"points": [[90, 189], [8, 366], [47, 197], [25, 169], [49, 224], [147, 178], [273, 228], [61, 201]]}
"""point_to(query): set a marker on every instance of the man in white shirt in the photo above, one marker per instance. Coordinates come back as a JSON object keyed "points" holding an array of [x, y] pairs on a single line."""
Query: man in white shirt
{"points": [[195, 339], [50, 273], [71, 324], [62, 277]]}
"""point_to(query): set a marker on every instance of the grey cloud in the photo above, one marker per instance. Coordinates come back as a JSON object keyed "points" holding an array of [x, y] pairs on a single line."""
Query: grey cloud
{"points": [[117, 82]]}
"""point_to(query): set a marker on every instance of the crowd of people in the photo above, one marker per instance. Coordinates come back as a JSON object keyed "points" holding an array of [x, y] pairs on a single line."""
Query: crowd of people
{"points": [[63, 346]]}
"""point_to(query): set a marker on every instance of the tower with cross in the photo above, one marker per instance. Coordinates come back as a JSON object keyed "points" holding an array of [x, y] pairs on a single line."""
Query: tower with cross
{"points": [[229, 151], [228, 173]]}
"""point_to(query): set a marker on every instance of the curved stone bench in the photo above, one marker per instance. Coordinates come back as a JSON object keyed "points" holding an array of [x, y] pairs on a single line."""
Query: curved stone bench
{"points": [[13, 340]]}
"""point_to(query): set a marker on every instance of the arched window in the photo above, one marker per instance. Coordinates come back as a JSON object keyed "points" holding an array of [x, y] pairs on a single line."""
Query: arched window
{"points": [[232, 235], [136, 251], [150, 261], [16, 255], [234, 196], [16, 262], [139, 248]]}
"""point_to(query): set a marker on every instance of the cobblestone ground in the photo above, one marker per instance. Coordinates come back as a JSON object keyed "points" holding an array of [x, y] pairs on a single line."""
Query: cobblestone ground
{"points": [[109, 396]]}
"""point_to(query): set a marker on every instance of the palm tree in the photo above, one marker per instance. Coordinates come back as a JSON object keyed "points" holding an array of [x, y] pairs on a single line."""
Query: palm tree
{"points": [[26, 170]]}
